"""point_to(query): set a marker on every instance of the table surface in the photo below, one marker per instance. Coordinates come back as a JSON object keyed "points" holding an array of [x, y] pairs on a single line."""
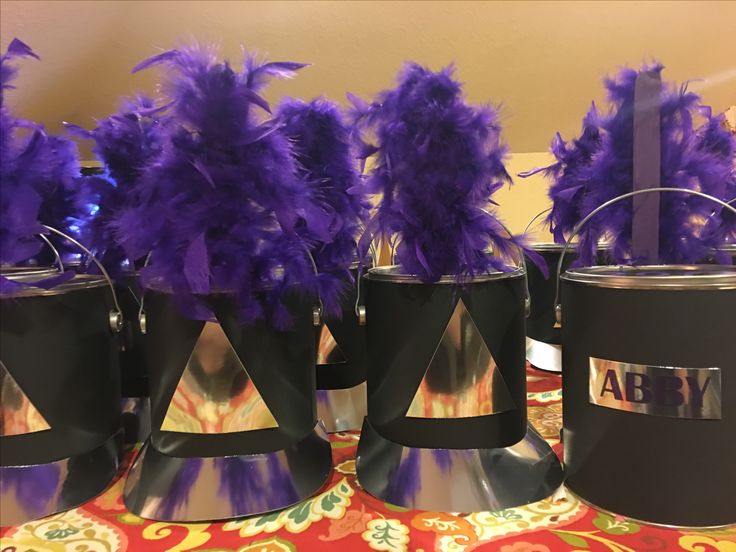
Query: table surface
{"points": [[344, 517]]}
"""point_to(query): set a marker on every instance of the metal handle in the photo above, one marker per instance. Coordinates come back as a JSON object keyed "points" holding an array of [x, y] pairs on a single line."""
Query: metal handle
{"points": [[529, 225], [576, 229], [57, 257], [115, 317]]}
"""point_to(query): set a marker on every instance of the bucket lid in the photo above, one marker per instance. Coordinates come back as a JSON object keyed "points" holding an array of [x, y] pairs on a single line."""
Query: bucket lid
{"points": [[11, 272], [394, 273], [670, 277], [79, 281]]}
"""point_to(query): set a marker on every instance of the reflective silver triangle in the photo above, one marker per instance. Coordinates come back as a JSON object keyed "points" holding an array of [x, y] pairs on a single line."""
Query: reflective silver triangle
{"points": [[18, 415], [215, 393], [328, 351], [462, 379]]}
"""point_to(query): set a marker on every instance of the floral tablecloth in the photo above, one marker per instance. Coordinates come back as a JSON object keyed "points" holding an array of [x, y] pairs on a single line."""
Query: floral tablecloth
{"points": [[343, 517]]}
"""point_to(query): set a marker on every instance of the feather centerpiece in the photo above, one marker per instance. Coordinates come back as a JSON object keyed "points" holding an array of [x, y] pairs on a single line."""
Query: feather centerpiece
{"points": [[127, 143], [438, 162], [326, 162], [220, 209], [598, 166], [37, 180]]}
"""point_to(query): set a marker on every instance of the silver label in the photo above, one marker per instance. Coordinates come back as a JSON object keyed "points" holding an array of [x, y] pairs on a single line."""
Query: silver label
{"points": [[656, 390]]}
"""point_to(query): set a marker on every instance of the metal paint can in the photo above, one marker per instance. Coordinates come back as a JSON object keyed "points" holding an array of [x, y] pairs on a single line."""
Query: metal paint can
{"points": [[133, 363], [60, 385], [649, 386], [543, 337], [341, 362], [446, 427], [234, 427]]}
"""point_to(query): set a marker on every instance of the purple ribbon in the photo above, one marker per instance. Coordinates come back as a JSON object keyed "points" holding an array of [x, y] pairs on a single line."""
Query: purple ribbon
{"points": [[645, 223]]}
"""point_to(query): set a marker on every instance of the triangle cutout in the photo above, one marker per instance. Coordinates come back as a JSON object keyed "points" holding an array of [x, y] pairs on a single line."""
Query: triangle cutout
{"points": [[462, 379], [328, 351], [215, 393], [18, 415]]}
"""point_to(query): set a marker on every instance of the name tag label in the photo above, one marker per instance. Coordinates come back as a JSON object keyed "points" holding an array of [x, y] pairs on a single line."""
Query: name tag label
{"points": [[693, 393]]}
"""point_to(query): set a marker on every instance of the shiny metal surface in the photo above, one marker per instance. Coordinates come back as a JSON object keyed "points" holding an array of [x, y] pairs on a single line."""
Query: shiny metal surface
{"points": [[394, 274], [328, 351], [544, 356], [192, 489], [673, 392], [36, 491], [28, 271], [457, 480], [342, 409], [215, 393], [80, 281], [18, 415], [671, 277], [471, 385]]}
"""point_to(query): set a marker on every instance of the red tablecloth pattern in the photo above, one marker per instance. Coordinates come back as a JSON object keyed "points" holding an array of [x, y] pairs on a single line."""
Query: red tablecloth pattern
{"points": [[343, 517]]}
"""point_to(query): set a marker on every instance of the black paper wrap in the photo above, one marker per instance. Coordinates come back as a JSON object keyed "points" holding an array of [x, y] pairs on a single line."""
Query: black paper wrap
{"points": [[405, 322], [61, 352], [673, 471], [350, 337], [280, 364]]}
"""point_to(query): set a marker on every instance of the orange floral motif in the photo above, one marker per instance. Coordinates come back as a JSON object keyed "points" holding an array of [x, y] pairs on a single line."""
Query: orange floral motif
{"points": [[354, 521], [445, 524], [524, 547]]}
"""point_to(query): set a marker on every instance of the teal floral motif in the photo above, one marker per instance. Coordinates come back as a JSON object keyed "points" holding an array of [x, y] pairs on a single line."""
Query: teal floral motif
{"points": [[507, 514], [608, 524], [383, 534], [59, 534], [389, 535]]}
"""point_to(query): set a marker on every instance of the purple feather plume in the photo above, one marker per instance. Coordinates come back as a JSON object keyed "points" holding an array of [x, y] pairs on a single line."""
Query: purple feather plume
{"points": [[438, 162], [322, 146], [598, 166], [37, 179], [127, 142], [220, 208]]}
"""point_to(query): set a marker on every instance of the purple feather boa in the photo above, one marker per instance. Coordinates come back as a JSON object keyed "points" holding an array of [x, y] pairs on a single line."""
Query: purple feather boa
{"points": [[438, 162], [37, 180], [326, 162], [598, 166], [127, 142], [221, 208]]}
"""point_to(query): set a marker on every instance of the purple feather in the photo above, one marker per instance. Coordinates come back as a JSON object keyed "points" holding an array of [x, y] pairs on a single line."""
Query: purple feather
{"points": [[322, 146], [37, 180], [598, 166], [220, 208], [438, 162], [127, 142]]}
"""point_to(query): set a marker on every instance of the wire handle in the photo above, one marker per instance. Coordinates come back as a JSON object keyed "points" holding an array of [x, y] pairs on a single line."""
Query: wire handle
{"points": [[529, 225], [576, 229], [115, 317]]}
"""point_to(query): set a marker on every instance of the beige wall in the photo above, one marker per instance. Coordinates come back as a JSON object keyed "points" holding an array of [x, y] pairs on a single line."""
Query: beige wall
{"points": [[542, 60]]}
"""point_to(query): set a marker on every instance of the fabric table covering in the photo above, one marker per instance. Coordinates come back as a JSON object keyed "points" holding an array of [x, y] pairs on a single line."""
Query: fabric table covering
{"points": [[343, 517]]}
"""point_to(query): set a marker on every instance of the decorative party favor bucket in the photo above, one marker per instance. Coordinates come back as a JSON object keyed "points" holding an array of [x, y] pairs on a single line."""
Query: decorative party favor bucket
{"points": [[60, 437], [543, 338], [133, 368], [649, 380], [233, 415], [341, 365], [446, 427]]}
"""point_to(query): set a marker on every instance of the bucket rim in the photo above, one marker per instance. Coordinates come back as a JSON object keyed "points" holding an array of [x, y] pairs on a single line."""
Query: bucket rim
{"points": [[655, 277], [78, 282], [394, 273]]}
